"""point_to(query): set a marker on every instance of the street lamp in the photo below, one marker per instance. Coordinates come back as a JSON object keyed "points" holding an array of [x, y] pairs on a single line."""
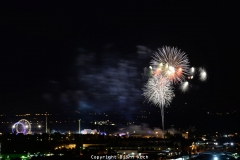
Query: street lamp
{"points": [[46, 123], [79, 126]]}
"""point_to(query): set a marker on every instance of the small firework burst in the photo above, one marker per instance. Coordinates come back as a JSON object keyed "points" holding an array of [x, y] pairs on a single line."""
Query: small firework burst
{"points": [[172, 63], [158, 91]]}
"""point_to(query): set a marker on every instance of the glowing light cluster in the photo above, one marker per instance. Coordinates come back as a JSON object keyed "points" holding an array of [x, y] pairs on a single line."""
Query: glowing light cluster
{"points": [[202, 74]]}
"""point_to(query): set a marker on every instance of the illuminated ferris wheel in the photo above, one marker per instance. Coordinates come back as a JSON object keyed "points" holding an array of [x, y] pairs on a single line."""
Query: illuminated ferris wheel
{"points": [[27, 125], [22, 126]]}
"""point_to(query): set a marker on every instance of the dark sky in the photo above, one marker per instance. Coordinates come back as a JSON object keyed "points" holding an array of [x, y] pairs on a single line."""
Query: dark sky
{"points": [[85, 55]]}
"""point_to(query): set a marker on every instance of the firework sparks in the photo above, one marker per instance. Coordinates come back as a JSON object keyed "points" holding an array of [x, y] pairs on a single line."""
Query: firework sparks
{"points": [[172, 63], [192, 71], [184, 86], [202, 74], [168, 67], [159, 91]]}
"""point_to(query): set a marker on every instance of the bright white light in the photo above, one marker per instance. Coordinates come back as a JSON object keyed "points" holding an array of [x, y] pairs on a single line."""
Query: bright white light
{"points": [[166, 66], [26, 126], [150, 67], [231, 144], [39, 126], [171, 69], [192, 70], [184, 86], [215, 158], [168, 72], [203, 74], [13, 126]]}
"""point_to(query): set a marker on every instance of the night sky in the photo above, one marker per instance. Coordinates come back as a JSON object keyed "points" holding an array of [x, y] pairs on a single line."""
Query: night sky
{"points": [[90, 56]]}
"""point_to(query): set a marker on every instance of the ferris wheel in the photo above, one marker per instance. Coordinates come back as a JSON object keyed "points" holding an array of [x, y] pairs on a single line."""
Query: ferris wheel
{"points": [[22, 126], [19, 128], [27, 125]]}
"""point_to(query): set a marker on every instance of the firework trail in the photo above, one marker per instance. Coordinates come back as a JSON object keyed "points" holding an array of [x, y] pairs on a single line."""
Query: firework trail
{"points": [[159, 91], [171, 63]]}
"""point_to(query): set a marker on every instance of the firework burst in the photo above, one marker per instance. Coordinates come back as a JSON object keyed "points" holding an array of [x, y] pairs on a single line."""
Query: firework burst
{"points": [[168, 67], [159, 91], [171, 63]]}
